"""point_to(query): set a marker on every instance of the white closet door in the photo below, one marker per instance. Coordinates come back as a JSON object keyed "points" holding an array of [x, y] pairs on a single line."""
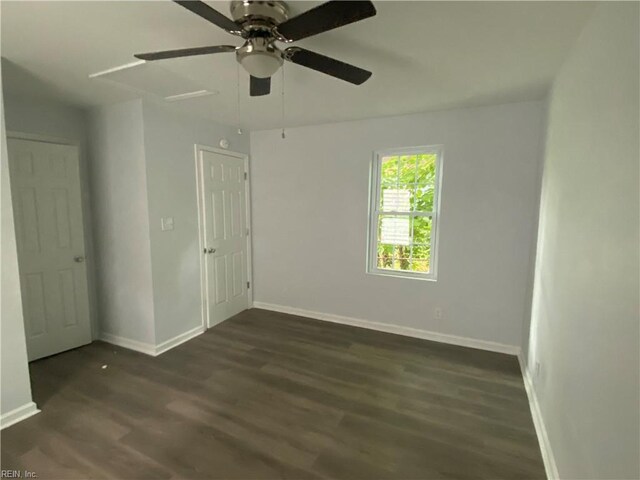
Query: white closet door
{"points": [[225, 234], [45, 186]]}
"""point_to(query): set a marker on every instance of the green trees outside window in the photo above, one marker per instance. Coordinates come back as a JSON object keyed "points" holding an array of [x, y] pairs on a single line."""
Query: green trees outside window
{"points": [[405, 212]]}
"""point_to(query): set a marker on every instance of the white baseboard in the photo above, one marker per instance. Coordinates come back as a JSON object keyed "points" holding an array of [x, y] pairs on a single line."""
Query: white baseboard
{"points": [[179, 339], [142, 347], [541, 431], [18, 414], [399, 330], [148, 348]]}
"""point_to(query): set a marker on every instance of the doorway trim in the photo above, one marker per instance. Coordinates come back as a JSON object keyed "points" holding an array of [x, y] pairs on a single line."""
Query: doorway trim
{"points": [[36, 137], [201, 241]]}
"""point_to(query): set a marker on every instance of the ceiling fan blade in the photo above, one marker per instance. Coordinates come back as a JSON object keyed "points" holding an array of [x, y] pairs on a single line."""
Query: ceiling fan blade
{"points": [[185, 52], [259, 86], [210, 14], [324, 17], [327, 65]]}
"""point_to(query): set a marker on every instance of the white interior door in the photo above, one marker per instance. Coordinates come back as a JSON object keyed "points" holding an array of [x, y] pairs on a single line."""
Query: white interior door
{"points": [[45, 187], [224, 235]]}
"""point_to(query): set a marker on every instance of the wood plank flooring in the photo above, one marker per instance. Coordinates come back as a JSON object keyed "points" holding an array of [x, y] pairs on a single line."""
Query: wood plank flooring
{"points": [[266, 395]]}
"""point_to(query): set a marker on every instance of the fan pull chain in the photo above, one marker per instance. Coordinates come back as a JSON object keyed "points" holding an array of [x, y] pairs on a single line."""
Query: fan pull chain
{"points": [[238, 97], [282, 97]]}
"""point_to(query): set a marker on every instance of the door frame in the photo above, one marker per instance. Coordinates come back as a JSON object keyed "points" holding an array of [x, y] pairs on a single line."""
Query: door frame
{"points": [[206, 321], [36, 137]]}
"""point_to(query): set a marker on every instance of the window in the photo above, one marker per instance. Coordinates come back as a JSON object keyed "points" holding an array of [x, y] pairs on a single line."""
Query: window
{"points": [[403, 221]]}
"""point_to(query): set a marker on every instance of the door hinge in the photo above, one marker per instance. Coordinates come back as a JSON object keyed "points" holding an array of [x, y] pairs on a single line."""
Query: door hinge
{"points": [[248, 284], [247, 232], [245, 175]]}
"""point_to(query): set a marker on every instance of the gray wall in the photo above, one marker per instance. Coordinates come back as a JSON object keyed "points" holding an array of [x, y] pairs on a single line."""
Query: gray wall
{"points": [[169, 140], [51, 119], [15, 388], [585, 316], [310, 204], [526, 324], [121, 222], [143, 168]]}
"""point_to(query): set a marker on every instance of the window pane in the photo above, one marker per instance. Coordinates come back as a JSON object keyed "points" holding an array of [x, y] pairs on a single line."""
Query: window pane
{"points": [[421, 257], [423, 198], [385, 256], [421, 266], [395, 199], [421, 252], [394, 229], [426, 170], [402, 257], [407, 167], [389, 171], [422, 230]]}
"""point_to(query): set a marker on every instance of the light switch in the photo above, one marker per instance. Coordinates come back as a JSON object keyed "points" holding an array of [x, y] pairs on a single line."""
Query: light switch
{"points": [[166, 223]]}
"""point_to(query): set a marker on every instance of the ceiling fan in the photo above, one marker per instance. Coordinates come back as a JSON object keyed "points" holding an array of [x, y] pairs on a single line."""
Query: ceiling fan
{"points": [[263, 23]]}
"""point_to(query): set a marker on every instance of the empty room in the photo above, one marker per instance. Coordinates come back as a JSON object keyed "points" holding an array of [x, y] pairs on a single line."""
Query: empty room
{"points": [[350, 240]]}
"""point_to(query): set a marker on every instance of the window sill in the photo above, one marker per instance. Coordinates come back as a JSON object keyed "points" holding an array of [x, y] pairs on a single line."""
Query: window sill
{"points": [[405, 275]]}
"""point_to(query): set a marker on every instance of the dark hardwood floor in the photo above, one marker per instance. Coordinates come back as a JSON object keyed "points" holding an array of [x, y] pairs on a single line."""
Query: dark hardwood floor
{"points": [[266, 395]]}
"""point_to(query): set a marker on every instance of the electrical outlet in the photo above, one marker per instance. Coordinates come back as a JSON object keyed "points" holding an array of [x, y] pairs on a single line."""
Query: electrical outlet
{"points": [[166, 223], [438, 313]]}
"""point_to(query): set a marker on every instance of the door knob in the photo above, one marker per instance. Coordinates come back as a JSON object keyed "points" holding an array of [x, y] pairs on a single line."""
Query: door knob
{"points": [[78, 259], [209, 250]]}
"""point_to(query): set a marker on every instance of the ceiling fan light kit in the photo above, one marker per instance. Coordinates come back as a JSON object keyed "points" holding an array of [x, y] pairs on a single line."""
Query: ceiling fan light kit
{"points": [[259, 58], [263, 23]]}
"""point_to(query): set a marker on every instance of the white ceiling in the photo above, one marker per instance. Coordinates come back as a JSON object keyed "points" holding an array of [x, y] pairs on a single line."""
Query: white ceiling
{"points": [[423, 55]]}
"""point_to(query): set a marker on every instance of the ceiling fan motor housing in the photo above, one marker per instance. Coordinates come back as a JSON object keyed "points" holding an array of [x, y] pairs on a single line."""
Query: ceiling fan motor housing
{"points": [[257, 17]]}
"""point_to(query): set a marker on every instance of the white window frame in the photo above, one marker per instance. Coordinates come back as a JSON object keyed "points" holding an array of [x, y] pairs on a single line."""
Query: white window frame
{"points": [[374, 212]]}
